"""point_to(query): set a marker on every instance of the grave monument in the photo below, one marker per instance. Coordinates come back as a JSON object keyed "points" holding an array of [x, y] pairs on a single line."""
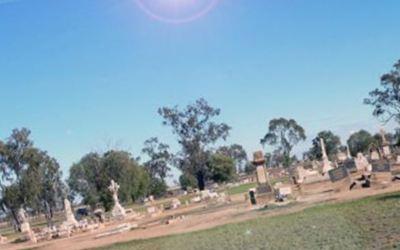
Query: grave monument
{"points": [[385, 145], [25, 226], [118, 211], [69, 215], [264, 192], [326, 164]]}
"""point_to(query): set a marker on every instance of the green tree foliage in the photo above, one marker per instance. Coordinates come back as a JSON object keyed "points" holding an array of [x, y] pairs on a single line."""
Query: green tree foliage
{"points": [[386, 101], [360, 142], [249, 168], [91, 177], [157, 187], [158, 165], [237, 153], [332, 145], [29, 177], [222, 168], [284, 134], [197, 131], [187, 180], [159, 158]]}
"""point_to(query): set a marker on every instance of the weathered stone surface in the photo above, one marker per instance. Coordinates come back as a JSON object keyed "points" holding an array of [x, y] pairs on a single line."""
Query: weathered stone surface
{"points": [[362, 163], [118, 211], [69, 215], [26, 227]]}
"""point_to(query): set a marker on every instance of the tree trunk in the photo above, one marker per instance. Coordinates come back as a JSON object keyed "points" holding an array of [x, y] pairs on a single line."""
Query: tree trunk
{"points": [[200, 181], [17, 223], [49, 215]]}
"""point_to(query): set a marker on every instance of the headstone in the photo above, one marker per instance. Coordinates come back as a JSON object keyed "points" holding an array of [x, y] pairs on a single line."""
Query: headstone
{"points": [[252, 195], [262, 175], [99, 213], [118, 211], [385, 145], [350, 165], [175, 203], [2, 239], [381, 167], [338, 174], [283, 189], [307, 175], [326, 164], [195, 199], [69, 215], [341, 156], [26, 227], [151, 210], [375, 156], [381, 173], [362, 163], [348, 152]]}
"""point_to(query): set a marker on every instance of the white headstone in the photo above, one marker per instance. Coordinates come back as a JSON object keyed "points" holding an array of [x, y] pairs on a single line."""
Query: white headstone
{"points": [[341, 156], [261, 175], [326, 164], [348, 152], [25, 226], [175, 203], [362, 163], [69, 214], [2, 239], [375, 156], [118, 211]]}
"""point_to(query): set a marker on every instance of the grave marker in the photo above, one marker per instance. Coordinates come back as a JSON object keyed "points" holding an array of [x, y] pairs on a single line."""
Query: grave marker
{"points": [[338, 174], [381, 167]]}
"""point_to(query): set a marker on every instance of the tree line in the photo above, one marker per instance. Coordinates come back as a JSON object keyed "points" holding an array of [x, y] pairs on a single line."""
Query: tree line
{"points": [[32, 179]]}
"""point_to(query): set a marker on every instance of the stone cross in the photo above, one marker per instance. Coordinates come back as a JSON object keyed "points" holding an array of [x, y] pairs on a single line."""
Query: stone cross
{"points": [[385, 145], [118, 211], [383, 135]]}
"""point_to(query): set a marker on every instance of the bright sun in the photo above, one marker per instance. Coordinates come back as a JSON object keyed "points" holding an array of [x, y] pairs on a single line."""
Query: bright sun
{"points": [[176, 11]]}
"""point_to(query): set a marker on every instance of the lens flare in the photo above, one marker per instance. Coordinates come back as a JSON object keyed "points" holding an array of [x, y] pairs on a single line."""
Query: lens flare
{"points": [[176, 11]]}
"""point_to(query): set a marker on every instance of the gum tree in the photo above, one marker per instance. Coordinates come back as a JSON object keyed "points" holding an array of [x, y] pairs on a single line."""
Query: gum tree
{"points": [[197, 130]]}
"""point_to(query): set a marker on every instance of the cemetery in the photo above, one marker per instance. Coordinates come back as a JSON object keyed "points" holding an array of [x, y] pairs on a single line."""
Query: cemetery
{"points": [[199, 124], [304, 186]]}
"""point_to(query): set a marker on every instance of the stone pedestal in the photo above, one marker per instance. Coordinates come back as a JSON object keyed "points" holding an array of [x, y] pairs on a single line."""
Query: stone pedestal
{"points": [[264, 189]]}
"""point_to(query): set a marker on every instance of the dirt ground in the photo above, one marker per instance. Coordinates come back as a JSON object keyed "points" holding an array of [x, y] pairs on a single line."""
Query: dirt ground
{"points": [[198, 217]]}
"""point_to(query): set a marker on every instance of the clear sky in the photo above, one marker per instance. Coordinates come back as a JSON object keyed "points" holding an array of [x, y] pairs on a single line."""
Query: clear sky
{"points": [[90, 74]]}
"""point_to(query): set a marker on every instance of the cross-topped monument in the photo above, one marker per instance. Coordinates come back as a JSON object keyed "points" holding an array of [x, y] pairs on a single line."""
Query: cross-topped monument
{"points": [[118, 211], [385, 144]]}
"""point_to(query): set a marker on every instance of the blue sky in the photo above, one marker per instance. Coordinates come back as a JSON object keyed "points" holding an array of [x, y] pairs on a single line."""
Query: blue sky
{"points": [[87, 75]]}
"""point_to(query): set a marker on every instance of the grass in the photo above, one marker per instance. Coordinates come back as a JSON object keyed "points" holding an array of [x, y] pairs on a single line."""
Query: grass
{"points": [[370, 223], [244, 188]]}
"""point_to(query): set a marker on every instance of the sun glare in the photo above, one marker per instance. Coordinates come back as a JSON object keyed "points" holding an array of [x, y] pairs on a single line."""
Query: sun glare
{"points": [[176, 11]]}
